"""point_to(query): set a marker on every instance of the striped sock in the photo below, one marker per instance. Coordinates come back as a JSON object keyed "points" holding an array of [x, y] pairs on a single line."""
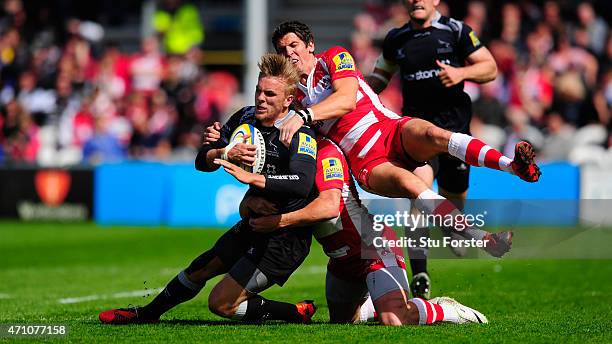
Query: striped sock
{"points": [[367, 311], [476, 153], [430, 313], [430, 202]]}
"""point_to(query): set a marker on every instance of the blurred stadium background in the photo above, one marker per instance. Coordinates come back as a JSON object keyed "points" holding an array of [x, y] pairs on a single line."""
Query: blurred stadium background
{"points": [[102, 109], [114, 96]]}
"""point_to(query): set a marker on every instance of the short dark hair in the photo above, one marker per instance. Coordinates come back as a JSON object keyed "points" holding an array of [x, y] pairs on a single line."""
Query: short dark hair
{"points": [[298, 28]]}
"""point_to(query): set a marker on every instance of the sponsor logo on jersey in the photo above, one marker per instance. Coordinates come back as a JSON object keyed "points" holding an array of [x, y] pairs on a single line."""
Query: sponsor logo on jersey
{"points": [[307, 145], [400, 54], [422, 34], [332, 169], [445, 47], [344, 61], [425, 74], [475, 40]]}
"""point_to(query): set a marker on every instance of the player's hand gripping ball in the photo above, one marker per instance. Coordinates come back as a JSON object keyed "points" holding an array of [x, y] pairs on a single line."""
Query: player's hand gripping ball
{"points": [[248, 134]]}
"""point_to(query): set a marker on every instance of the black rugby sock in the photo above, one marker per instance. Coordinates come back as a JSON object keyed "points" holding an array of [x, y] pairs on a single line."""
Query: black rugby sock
{"points": [[180, 289], [417, 255], [259, 309]]}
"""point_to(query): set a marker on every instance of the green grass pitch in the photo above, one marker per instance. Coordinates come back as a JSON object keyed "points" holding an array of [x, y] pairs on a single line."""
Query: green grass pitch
{"points": [[68, 273]]}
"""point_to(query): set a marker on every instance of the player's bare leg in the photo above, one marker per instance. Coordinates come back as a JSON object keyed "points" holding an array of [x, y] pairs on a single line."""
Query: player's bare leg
{"points": [[458, 200], [423, 140], [394, 309], [391, 180], [231, 300], [226, 297]]}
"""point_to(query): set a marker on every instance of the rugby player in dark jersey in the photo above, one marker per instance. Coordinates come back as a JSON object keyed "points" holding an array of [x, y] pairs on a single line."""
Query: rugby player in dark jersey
{"points": [[251, 262], [434, 55]]}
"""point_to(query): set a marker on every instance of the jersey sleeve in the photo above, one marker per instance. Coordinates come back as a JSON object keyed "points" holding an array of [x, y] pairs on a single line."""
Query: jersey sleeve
{"points": [[302, 167], [226, 131], [330, 171], [388, 47], [468, 42], [340, 63]]}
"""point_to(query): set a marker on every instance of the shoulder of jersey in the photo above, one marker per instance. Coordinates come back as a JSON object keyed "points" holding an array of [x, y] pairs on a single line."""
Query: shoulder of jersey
{"points": [[395, 32], [450, 23], [247, 114], [333, 51]]}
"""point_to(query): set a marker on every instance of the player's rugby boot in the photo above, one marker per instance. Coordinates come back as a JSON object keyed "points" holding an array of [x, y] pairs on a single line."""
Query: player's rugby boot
{"points": [[524, 163], [307, 309], [498, 243], [124, 316], [466, 314], [420, 286]]}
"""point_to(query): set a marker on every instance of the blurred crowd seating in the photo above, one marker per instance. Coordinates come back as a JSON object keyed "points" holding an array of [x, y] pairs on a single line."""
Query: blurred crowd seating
{"points": [[554, 86], [75, 97]]}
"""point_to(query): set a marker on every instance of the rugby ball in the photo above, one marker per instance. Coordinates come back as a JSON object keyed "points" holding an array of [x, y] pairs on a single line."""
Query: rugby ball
{"points": [[256, 139]]}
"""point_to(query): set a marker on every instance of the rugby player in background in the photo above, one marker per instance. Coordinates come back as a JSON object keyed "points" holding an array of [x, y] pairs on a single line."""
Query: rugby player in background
{"points": [[251, 262], [382, 148], [362, 279], [430, 52]]}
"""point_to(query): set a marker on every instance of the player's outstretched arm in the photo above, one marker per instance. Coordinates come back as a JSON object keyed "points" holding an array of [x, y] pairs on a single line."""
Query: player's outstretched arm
{"points": [[342, 101], [325, 207], [241, 175], [205, 159], [482, 68]]}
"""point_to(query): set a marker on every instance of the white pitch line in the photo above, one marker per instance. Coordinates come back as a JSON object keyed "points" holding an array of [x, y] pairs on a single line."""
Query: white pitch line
{"points": [[315, 269], [119, 295], [4, 296]]}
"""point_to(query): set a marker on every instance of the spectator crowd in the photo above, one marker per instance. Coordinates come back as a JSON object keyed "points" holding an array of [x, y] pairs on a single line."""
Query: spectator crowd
{"points": [[554, 84], [76, 97]]}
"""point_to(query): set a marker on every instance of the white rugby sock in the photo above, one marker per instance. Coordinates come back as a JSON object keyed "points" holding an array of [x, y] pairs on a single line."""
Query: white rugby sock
{"points": [[430, 313], [432, 203], [477, 153], [367, 311], [240, 311]]}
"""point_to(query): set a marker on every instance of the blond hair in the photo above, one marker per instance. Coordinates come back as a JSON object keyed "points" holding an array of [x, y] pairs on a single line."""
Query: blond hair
{"points": [[274, 65]]}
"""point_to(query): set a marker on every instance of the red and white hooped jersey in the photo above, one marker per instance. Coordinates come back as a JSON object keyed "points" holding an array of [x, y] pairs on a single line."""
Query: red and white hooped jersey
{"points": [[345, 238], [348, 131]]}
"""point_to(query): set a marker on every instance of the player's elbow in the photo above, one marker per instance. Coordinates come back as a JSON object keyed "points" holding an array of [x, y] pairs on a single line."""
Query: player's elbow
{"points": [[350, 103], [200, 161], [331, 211], [491, 72], [220, 307], [330, 201]]}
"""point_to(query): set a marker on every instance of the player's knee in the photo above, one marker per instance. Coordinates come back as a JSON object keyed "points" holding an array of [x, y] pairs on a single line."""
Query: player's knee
{"points": [[390, 319], [437, 137], [431, 133], [220, 307]]}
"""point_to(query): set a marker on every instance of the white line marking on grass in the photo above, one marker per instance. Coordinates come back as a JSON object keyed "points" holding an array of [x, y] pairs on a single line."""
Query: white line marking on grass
{"points": [[5, 296], [119, 295], [316, 269]]}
